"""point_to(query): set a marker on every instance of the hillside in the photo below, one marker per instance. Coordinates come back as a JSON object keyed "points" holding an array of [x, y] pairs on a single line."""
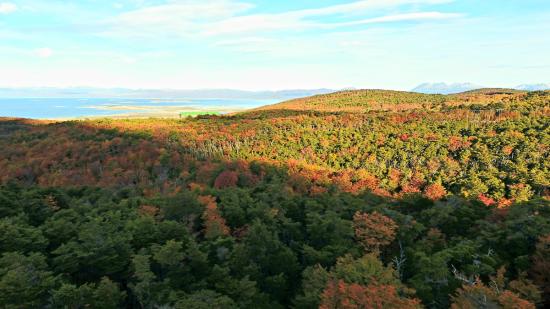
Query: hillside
{"points": [[361, 101], [397, 198]]}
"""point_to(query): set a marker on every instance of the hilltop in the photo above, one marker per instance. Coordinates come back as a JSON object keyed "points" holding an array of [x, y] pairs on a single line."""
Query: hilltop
{"points": [[361, 101]]}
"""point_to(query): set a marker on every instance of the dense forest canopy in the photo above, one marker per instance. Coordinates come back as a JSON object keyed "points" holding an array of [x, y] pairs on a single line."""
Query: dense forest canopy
{"points": [[357, 199]]}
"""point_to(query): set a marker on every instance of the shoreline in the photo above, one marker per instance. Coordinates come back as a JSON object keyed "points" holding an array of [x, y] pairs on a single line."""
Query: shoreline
{"points": [[161, 114]]}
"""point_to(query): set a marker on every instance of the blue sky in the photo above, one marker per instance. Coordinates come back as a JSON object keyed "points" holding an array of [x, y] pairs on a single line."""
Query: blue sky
{"points": [[273, 44]]}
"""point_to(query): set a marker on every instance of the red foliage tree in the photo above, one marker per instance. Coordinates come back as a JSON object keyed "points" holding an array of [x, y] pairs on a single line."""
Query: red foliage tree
{"points": [[205, 171], [226, 179], [373, 230]]}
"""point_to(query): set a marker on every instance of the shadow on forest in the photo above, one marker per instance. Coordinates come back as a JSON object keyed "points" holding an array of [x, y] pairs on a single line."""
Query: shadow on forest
{"points": [[76, 154], [10, 125], [48, 153]]}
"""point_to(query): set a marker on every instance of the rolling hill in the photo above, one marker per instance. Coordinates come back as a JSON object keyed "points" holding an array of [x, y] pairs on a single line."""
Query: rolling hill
{"points": [[362, 101]]}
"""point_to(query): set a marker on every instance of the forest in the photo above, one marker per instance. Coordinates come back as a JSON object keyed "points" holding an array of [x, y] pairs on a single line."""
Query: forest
{"points": [[356, 199]]}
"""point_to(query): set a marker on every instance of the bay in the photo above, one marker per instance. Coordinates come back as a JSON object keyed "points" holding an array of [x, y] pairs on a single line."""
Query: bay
{"points": [[52, 108]]}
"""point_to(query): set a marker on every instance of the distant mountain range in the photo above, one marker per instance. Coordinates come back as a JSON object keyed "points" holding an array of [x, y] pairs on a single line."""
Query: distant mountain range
{"points": [[533, 87], [84, 92], [444, 88], [158, 93]]}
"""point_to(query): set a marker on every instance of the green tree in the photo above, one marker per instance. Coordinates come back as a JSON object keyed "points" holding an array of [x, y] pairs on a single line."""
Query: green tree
{"points": [[108, 295], [144, 279], [315, 279], [25, 281], [268, 261], [17, 235], [69, 296], [170, 254], [102, 247], [206, 299]]}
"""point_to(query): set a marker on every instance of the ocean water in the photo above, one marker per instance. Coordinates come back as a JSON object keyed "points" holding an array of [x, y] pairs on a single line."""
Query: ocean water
{"points": [[50, 108]]}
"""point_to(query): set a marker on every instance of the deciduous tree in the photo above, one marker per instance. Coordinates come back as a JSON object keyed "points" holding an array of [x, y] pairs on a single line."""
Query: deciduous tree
{"points": [[373, 230]]}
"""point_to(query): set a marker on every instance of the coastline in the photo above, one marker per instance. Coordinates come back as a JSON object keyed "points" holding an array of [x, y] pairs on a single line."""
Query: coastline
{"points": [[166, 112]]}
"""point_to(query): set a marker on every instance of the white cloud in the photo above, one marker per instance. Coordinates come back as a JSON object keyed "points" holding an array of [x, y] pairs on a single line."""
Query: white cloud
{"points": [[244, 41], [179, 18], [220, 17], [254, 23], [43, 52], [359, 6], [249, 44], [400, 17], [128, 60], [257, 23], [7, 7]]}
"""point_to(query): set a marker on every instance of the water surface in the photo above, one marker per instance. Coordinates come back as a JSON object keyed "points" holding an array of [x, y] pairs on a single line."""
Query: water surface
{"points": [[50, 108]]}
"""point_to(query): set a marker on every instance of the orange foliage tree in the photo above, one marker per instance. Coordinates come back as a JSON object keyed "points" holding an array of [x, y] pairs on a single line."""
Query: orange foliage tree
{"points": [[214, 223], [341, 295], [435, 192], [148, 210], [373, 230], [487, 201]]}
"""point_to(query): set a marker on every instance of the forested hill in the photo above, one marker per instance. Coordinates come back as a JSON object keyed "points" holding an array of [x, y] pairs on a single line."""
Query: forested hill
{"points": [[385, 100], [358, 199]]}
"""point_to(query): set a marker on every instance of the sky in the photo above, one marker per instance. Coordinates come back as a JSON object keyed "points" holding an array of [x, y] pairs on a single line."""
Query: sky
{"points": [[273, 44]]}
